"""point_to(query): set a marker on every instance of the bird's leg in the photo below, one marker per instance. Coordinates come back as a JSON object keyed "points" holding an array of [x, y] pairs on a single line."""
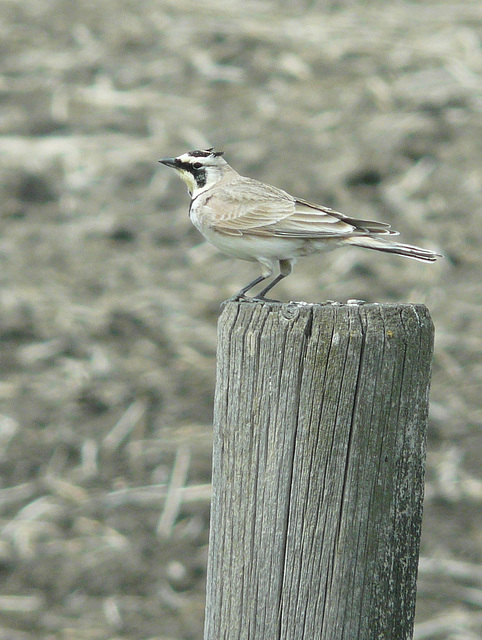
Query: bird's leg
{"points": [[286, 267], [241, 293], [262, 294]]}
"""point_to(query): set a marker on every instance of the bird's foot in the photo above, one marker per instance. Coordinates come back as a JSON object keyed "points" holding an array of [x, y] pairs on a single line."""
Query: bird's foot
{"points": [[261, 298], [241, 297], [237, 297]]}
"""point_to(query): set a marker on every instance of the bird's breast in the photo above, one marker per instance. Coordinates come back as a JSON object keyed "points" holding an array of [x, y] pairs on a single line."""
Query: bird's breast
{"points": [[200, 213]]}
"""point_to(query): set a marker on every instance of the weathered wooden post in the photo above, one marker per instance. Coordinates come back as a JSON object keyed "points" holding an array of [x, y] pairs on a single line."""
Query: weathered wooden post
{"points": [[320, 418]]}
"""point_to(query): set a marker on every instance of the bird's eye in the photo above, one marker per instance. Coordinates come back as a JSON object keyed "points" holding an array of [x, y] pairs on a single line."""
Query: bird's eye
{"points": [[197, 165]]}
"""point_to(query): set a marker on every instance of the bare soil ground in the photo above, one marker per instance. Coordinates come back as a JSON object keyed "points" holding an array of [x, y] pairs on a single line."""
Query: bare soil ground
{"points": [[109, 299]]}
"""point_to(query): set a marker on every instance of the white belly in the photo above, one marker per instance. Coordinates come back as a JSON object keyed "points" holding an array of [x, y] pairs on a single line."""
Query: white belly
{"points": [[254, 248], [266, 250]]}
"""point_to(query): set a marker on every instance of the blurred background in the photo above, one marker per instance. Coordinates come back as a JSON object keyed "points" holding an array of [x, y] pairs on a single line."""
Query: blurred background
{"points": [[109, 297]]}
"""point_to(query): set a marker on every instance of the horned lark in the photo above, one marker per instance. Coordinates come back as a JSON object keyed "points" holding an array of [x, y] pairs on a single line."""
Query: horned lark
{"points": [[254, 221]]}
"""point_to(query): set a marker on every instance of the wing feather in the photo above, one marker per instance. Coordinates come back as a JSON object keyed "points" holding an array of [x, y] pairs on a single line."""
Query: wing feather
{"points": [[253, 208]]}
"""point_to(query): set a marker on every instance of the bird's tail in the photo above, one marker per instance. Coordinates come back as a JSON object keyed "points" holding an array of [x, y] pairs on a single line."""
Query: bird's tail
{"points": [[407, 250]]}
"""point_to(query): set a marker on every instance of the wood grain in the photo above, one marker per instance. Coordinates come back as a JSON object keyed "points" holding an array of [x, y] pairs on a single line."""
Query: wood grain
{"points": [[319, 447]]}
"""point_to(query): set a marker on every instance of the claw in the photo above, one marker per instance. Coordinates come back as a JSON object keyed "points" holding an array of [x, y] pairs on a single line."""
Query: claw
{"points": [[263, 299], [236, 298]]}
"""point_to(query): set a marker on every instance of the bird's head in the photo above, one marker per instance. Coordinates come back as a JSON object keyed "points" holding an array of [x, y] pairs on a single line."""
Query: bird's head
{"points": [[199, 169]]}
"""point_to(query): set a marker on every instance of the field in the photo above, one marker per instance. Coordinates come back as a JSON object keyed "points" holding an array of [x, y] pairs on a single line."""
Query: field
{"points": [[109, 298]]}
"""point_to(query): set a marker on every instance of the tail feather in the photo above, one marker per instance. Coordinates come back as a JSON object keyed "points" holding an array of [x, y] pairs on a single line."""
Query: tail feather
{"points": [[406, 250]]}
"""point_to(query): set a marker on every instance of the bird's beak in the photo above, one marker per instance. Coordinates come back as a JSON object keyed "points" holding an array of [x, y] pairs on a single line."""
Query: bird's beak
{"points": [[170, 162]]}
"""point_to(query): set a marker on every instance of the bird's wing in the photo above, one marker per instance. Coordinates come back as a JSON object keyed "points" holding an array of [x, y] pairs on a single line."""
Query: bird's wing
{"points": [[253, 208], [313, 220], [247, 207]]}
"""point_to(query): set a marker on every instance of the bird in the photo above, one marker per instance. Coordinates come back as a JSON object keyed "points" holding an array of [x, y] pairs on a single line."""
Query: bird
{"points": [[248, 219]]}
